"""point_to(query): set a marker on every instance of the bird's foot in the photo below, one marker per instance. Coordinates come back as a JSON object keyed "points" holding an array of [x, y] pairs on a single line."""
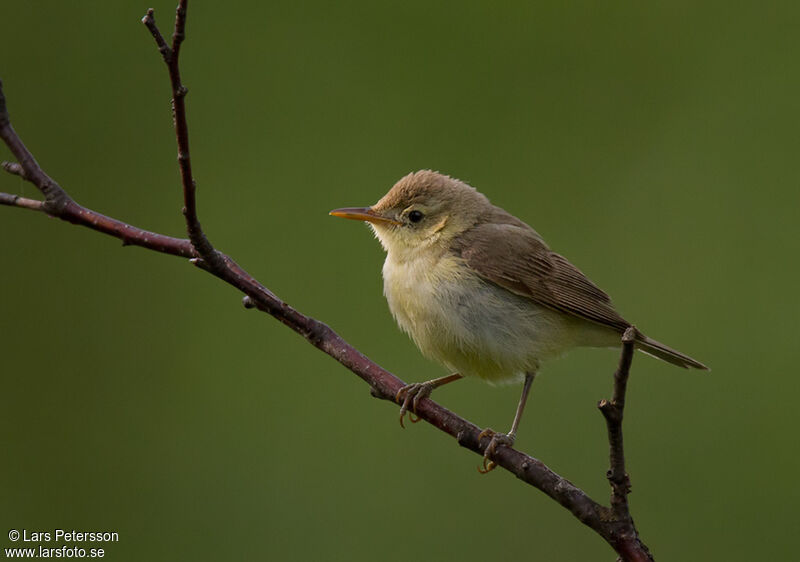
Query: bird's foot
{"points": [[410, 395], [498, 440]]}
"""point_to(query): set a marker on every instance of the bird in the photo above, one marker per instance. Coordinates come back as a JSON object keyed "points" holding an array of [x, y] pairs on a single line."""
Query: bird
{"points": [[479, 291]]}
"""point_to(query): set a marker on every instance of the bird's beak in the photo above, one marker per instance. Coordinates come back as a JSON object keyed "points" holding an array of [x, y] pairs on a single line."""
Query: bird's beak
{"points": [[362, 214]]}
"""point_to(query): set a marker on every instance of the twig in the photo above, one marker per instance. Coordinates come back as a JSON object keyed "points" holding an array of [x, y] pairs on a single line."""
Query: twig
{"points": [[17, 201], [13, 168], [171, 56], [613, 524], [149, 21], [58, 204], [613, 412]]}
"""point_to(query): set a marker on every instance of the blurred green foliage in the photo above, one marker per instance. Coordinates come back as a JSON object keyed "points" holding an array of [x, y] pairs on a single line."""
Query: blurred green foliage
{"points": [[655, 145]]}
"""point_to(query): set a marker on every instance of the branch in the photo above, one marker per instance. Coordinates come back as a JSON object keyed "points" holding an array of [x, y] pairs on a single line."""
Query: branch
{"points": [[58, 204], [613, 524], [613, 411], [16, 200]]}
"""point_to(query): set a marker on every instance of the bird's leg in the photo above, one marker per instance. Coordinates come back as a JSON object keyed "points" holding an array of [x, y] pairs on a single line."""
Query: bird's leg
{"points": [[412, 393], [507, 439]]}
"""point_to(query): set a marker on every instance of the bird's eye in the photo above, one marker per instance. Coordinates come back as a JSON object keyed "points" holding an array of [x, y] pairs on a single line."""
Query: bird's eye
{"points": [[415, 216]]}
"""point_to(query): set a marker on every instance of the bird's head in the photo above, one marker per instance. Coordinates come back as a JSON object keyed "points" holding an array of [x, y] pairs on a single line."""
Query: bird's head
{"points": [[423, 210]]}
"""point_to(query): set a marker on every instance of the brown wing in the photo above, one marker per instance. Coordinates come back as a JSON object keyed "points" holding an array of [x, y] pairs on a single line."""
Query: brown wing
{"points": [[515, 257]]}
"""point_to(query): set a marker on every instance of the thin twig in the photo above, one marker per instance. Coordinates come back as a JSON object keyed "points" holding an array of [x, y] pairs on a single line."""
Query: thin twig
{"points": [[179, 34], [58, 204], [27, 167], [214, 261], [13, 168], [613, 411], [150, 22], [613, 524], [23, 202]]}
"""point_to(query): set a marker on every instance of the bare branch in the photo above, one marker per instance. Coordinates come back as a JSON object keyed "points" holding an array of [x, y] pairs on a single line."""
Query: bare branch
{"points": [[55, 197], [17, 201], [202, 245], [179, 34], [150, 22], [613, 411], [58, 204], [14, 169]]}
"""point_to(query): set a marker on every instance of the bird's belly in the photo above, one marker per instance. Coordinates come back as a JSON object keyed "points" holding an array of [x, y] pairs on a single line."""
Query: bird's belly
{"points": [[471, 326]]}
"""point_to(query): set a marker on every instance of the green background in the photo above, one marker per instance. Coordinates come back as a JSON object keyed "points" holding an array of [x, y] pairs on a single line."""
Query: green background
{"points": [[655, 145]]}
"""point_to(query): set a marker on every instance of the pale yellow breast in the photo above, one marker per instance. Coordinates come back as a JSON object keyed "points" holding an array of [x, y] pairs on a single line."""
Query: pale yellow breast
{"points": [[471, 326]]}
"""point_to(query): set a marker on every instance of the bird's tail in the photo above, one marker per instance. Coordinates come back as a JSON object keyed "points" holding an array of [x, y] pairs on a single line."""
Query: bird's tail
{"points": [[661, 351]]}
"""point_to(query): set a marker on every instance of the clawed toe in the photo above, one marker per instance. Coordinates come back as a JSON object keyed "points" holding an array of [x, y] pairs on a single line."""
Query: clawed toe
{"points": [[497, 440], [410, 395]]}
